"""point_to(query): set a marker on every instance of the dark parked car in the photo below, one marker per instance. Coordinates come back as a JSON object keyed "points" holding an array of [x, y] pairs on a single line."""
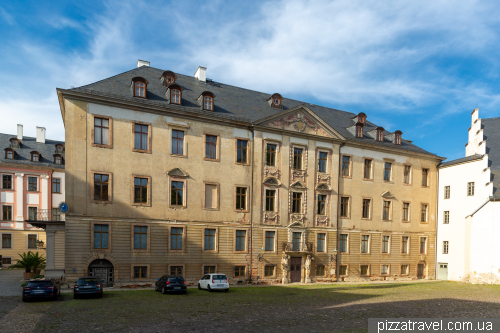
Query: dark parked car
{"points": [[88, 286], [36, 289], [171, 284]]}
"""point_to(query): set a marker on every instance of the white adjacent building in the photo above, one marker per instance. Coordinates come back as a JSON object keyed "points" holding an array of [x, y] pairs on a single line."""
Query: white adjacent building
{"points": [[469, 193]]}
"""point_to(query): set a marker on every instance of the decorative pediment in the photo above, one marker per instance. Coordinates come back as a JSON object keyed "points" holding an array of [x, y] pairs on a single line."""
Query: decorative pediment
{"points": [[387, 195], [177, 172], [271, 181], [296, 224], [323, 187], [298, 185], [300, 119]]}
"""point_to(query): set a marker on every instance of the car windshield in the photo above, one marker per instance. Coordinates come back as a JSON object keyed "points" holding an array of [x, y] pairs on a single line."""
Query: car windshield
{"points": [[219, 277], [176, 279], [39, 284], [83, 282]]}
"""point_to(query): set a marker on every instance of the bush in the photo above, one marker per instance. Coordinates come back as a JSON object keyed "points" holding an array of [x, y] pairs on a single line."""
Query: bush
{"points": [[30, 261]]}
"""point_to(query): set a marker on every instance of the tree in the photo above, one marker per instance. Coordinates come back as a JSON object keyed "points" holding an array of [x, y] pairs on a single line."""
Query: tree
{"points": [[30, 261]]}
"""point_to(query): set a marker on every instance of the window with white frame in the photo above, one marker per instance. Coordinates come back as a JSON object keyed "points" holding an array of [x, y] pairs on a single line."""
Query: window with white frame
{"points": [[446, 247], [446, 217]]}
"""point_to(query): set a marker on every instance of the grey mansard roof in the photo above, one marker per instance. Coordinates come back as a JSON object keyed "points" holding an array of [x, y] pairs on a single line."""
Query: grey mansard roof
{"points": [[28, 144], [230, 102], [461, 160]]}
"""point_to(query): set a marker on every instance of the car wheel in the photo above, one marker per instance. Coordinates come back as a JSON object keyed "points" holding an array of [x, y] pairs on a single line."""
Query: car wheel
{"points": [[226, 290], [25, 299], [163, 291], [75, 297], [209, 289], [199, 287], [100, 295]]}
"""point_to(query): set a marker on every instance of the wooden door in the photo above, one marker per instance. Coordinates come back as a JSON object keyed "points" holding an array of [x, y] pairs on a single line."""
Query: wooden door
{"points": [[295, 269], [420, 271], [102, 275]]}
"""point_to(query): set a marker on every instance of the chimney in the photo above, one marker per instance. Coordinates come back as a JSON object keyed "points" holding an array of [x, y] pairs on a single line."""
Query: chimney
{"points": [[40, 134], [20, 132], [201, 74], [141, 63]]}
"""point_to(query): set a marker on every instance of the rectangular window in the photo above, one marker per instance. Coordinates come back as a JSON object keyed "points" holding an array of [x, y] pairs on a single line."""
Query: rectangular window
{"points": [[404, 244], [385, 243], [366, 208], [404, 269], [56, 214], [6, 261], [321, 204], [6, 241], [140, 237], [211, 147], [33, 213], [7, 213], [425, 177], [270, 154], [140, 272], [269, 270], [367, 173], [470, 189], [321, 243], [386, 213], [177, 142], [241, 151], [344, 206], [363, 269], [210, 239], [56, 185], [33, 184], [407, 175], [296, 202], [320, 270], [446, 192], [176, 270], [241, 236], [269, 246], [342, 270], [101, 131], [101, 187], [406, 212], [208, 269], [270, 200], [7, 182], [297, 158], [241, 198], [322, 161], [211, 196], [387, 171], [101, 236], [423, 213], [32, 241], [239, 271], [140, 190], [343, 243], [176, 238], [365, 243], [176, 193], [296, 240], [384, 270], [141, 137], [446, 247], [346, 165], [446, 219], [423, 245]]}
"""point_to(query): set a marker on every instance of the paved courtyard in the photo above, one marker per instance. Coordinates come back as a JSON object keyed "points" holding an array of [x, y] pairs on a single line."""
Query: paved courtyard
{"points": [[314, 308]]}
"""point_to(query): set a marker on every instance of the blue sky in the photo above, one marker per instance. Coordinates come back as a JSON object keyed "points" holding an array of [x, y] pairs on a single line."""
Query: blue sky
{"points": [[417, 66]]}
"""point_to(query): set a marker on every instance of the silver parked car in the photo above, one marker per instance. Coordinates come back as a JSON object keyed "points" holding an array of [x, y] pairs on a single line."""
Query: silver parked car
{"points": [[214, 281]]}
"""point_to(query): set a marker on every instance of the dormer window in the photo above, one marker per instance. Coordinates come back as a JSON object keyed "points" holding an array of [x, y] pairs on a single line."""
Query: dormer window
{"points": [[139, 87], [361, 118], [59, 148], [380, 134], [15, 143], [57, 159], [168, 78], [35, 156], [9, 154], [275, 101], [174, 93], [206, 100], [359, 130], [397, 137], [176, 96]]}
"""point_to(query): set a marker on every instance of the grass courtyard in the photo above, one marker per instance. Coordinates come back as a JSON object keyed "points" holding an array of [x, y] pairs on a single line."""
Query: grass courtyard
{"points": [[315, 308]]}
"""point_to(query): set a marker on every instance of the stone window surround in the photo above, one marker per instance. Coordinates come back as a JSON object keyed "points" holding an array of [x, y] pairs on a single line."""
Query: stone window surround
{"points": [[148, 239], [329, 157], [247, 199], [148, 272], [148, 203], [218, 195], [184, 236], [368, 271], [60, 183], [349, 204], [316, 242], [347, 245], [11, 240], [426, 243], [27, 241], [408, 246], [324, 270], [407, 271], [245, 274], [27, 177], [275, 273], [178, 127], [110, 131], [372, 169], [370, 236], [389, 249], [409, 211], [276, 198], [278, 150], [275, 250], [247, 236], [249, 153], [13, 182], [109, 224], [346, 270], [350, 165], [391, 178], [426, 214], [411, 174], [184, 191], [370, 213], [216, 250], [177, 265], [388, 270], [217, 147], [428, 177], [11, 205], [150, 137], [304, 156], [204, 265], [391, 207], [110, 187]]}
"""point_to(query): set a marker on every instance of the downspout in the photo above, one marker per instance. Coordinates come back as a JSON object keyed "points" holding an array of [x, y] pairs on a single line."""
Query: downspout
{"points": [[437, 228], [338, 234], [251, 205]]}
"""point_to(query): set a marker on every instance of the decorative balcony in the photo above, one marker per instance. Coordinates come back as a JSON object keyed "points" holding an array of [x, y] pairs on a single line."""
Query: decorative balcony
{"points": [[303, 247], [45, 215]]}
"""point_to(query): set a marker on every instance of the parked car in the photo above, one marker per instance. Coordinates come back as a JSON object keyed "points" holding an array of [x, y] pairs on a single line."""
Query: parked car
{"points": [[88, 286], [171, 284], [41, 288], [214, 281]]}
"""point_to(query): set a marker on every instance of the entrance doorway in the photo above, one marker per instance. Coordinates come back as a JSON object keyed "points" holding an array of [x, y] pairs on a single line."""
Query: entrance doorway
{"points": [[420, 271], [104, 270], [295, 269], [443, 272]]}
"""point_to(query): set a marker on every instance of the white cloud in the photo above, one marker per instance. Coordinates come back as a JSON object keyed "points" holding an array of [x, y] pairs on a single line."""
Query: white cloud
{"points": [[7, 17]]}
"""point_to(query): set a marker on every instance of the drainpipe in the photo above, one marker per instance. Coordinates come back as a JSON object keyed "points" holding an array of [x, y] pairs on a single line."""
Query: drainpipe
{"points": [[251, 204], [437, 226], [338, 235]]}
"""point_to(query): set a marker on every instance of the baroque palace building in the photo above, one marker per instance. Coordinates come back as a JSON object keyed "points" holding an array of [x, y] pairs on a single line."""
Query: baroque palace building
{"points": [[173, 174]]}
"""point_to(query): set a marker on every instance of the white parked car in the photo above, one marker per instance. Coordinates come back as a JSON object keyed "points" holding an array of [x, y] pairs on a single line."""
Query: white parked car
{"points": [[214, 281]]}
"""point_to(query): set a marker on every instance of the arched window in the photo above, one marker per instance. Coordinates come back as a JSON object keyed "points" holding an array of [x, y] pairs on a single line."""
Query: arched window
{"points": [[57, 159], [397, 137], [362, 117], [359, 131], [380, 134], [208, 103], [275, 101], [175, 96], [140, 89], [9, 154], [35, 156]]}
